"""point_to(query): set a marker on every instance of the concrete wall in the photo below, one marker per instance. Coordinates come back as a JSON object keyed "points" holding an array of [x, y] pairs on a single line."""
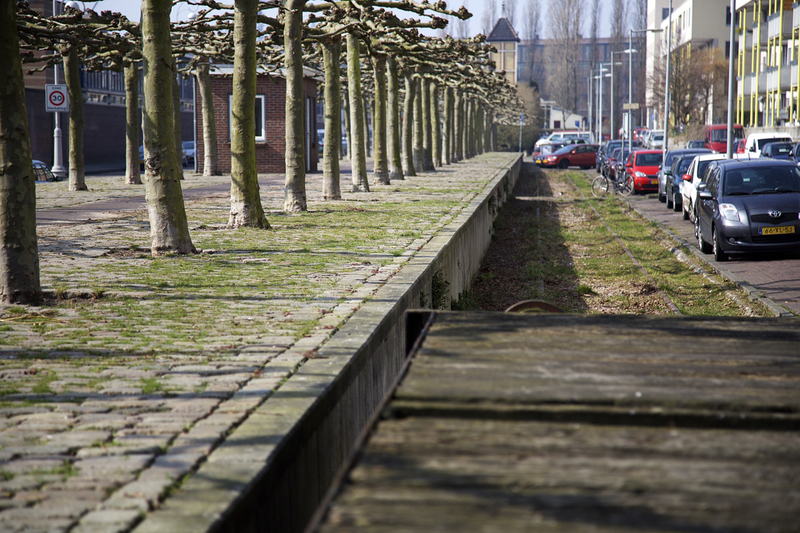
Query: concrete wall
{"points": [[272, 472]]}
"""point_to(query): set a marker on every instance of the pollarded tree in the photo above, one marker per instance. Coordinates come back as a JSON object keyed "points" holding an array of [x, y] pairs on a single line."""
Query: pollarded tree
{"points": [[19, 252], [169, 228]]}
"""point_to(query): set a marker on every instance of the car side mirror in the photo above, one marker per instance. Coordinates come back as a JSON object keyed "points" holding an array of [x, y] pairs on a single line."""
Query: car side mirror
{"points": [[704, 194], [668, 172], [701, 186], [629, 165], [687, 177]]}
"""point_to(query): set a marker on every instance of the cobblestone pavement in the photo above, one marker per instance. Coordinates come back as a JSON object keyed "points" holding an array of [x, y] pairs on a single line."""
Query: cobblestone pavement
{"points": [[772, 276], [136, 368]]}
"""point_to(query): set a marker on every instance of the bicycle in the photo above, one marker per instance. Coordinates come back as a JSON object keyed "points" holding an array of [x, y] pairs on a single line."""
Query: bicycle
{"points": [[602, 184]]}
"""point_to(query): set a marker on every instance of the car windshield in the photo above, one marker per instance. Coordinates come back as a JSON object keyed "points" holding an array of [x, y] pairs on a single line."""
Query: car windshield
{"points": [[761, 142], [565, 149], [719, 136], [764, 180], [781, 148], [649, 160], [701, 167], [682, 166], [658, 137]]}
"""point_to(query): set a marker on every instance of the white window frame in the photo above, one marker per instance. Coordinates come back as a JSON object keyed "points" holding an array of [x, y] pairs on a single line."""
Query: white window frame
{"points": [[262, 117]]}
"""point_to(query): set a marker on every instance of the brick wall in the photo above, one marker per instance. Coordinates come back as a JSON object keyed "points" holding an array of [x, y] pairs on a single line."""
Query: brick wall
{"points": [[270, 153]]}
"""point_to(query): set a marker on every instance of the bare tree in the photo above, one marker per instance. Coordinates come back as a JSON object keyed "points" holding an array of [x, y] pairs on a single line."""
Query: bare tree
{"points": [[19, 252], [510, 10], [597, 10], [531, 29], [639, 22], [489, 16], [566, 21]]}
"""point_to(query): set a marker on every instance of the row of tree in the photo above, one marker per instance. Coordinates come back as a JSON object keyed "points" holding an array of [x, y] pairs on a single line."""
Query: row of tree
{"points": [[451, 99]]}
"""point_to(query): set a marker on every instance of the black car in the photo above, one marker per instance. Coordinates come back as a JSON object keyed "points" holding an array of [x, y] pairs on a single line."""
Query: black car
{"points": [[679, 167], [605, 150], [748, 206], [777, 150], [669, 158]]}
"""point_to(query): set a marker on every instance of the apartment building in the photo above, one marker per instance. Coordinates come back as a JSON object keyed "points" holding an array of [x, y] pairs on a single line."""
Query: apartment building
{"points": [[696, 24], [768, 32]]}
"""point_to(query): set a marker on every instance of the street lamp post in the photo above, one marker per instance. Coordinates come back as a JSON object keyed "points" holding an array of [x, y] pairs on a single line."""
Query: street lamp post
{"points": [[729, 151], [611, 103], [590, 99], [59, 170], [603, 73], [665, 148]]}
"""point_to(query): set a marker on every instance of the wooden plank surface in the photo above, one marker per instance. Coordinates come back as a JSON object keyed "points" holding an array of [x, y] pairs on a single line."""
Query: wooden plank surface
{"points": [[510, 423]]}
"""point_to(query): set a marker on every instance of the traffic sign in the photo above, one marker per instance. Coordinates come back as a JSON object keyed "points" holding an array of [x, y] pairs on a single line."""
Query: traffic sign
{"points": [[56, 100], [634, 106]]}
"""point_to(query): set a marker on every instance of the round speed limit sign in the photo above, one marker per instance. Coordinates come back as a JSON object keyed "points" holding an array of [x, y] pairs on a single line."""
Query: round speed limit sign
{"points": [[56, 98]]}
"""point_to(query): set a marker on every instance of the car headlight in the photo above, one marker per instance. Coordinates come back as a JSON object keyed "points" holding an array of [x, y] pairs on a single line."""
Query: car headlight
{"points": [[551, 158], [640, 174], [729, 212]]}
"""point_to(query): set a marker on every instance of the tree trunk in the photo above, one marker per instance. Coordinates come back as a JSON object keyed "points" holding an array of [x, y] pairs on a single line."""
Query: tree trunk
{"points": [[176, 110], [458, 123], [427, 127], [418, 127], [447, 141], [19, 251], [437, 126], [294, 199], [393, 119], [408, 125], [77, 175], [365, 119], [246, 209], [357, 142], [331, 55], [169, 229], [479, 137], [133, 175], [347, 127], [210, 150], [381, 164]]}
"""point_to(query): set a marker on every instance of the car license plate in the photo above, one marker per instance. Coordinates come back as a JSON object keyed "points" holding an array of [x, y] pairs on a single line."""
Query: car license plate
{"points": [[778, 230], [654, 182]]}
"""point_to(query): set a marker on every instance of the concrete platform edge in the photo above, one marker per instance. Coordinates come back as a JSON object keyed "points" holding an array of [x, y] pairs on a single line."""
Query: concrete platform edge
{"points": [[272, 471]]}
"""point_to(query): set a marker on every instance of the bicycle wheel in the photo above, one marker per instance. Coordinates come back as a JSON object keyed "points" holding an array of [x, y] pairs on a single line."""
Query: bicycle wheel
{"points": [[627, 187], [600, 187]]}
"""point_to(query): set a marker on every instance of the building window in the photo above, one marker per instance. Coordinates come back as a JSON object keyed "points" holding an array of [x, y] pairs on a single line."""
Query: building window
{"points": [[260, 119]]}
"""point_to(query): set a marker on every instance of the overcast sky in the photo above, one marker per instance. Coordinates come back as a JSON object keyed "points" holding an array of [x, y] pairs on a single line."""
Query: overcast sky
{"points": [[131, 8]]}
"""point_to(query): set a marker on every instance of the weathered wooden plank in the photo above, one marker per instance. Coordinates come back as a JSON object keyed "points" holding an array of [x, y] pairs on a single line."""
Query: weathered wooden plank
{"points": [[508, 476], [515, 423], [738, 365]]}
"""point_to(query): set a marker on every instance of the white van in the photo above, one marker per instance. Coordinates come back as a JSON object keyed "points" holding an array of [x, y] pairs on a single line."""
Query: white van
{"points": [[558, 136], [756, 141]]}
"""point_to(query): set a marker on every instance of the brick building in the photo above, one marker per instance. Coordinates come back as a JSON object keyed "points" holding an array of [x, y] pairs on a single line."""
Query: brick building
{"points": [[270, 111]]}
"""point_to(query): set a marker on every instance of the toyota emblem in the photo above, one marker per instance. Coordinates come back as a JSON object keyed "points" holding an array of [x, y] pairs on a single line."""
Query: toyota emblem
{"points": [[775, 214]]}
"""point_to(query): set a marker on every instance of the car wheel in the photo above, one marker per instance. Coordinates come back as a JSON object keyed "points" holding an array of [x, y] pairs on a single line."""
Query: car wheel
{"points": [[661, 197], [676, 205], [685, 213], [564, 163], [668, 199], [719, 254], [701, 243]]}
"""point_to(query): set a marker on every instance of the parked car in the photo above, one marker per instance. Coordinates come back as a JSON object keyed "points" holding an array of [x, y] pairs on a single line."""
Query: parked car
{"points": [[667, 165], [656, 140], [716, 137], [188, 153], [748, 206], [642, 168], [637, 135], [695, 144], [738, 149], [756, 141], [572, 155], [777, 150], [610, 165], [678, 170], [692, 178], [603, 152], [795, 153], [42, 172], [619, 167]]}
